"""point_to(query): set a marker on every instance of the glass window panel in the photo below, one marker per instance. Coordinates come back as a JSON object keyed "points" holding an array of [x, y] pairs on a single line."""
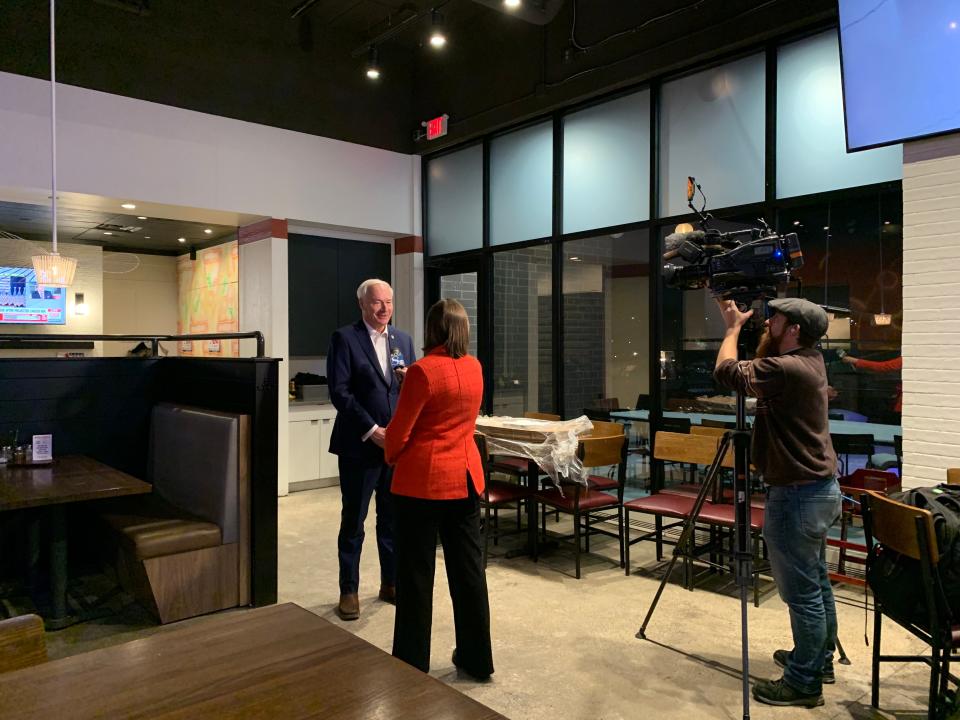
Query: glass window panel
{"points": [[463, 287], [606, 332], [521, 185], [712, 127], [811, 146], [853, 264], [455, 201], [606, 164], [522, 331]]}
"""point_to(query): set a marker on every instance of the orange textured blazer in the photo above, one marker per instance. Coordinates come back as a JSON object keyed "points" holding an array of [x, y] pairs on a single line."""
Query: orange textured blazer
{"points": [[430, 437]]}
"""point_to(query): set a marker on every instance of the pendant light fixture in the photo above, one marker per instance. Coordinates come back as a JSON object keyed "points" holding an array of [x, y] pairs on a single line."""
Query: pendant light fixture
{"points": [[881, 318], [53, 268]]}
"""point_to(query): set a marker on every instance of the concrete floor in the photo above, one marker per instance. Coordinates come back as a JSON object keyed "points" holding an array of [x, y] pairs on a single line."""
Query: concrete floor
{"points": [[566, 648]]}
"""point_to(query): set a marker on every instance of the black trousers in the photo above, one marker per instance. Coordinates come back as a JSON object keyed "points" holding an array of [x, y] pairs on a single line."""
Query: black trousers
{"points": [[458, 523], [358, 483]]}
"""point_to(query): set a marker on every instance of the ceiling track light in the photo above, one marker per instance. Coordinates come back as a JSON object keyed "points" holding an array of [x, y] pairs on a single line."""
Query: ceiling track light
{"points": [[511, 4], [438, 39], [373, 63]]}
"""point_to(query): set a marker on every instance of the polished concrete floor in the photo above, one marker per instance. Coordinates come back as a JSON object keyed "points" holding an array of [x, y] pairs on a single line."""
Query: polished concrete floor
{"points": [[566, 648]]}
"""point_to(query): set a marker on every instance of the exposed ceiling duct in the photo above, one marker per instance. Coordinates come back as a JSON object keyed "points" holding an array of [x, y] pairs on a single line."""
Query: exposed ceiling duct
{"points": [[538, 12]]}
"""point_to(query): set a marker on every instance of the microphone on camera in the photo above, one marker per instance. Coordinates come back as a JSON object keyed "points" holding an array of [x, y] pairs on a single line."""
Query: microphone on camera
{"points": [[684, 244]]}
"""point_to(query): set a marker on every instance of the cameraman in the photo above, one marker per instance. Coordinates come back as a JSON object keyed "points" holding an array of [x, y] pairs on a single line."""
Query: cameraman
{"points": [[791, 448]]}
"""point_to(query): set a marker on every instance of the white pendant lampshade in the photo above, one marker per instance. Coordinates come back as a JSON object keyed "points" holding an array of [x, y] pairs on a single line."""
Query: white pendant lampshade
{"points": [[53, 268]]}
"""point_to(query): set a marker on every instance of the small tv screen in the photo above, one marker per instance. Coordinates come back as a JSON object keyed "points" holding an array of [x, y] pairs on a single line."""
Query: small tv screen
{"points": [[23, 302], [899, 62]]}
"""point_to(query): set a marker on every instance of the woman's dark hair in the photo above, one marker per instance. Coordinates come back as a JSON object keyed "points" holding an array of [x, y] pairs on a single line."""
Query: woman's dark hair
{"points": [[448, 326]]}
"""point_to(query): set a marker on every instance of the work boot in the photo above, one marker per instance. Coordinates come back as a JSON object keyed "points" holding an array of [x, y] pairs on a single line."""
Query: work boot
{"points": [[388, 593], [780, 657], [779, 692], [349, 606]]}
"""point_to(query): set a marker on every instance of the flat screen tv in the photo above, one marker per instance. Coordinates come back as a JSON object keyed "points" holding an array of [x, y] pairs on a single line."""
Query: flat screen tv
{"points": [[23, 302], [900, 62]]}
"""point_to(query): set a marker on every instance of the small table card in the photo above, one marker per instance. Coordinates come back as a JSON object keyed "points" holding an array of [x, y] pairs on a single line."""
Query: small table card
{"points": [[42, 448]]}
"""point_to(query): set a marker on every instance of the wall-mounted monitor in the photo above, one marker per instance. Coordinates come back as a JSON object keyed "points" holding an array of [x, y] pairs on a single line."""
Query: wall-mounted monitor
{"points": [[24, 302], [899, 60]]}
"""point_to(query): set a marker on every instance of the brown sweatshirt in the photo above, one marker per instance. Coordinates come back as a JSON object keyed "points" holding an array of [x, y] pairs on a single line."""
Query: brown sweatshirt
{"points": [[791, 432]]}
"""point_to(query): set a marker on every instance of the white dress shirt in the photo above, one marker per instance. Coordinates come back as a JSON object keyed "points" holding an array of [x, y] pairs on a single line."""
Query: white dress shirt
{"points": [[381, 347]]}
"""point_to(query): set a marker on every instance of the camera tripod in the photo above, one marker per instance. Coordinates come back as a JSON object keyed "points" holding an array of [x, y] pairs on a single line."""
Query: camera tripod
{"points": [[739, 439]]}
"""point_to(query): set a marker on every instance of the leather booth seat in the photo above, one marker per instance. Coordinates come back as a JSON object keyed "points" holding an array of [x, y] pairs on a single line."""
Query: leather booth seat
{"points": [[154, 528]]}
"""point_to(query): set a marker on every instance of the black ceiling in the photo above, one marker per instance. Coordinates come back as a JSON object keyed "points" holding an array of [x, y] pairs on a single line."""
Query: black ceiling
{"points": [[112, 231], [249, 59]]}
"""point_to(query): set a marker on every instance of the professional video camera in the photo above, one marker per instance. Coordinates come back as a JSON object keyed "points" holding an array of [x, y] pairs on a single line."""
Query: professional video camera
{"points": [[738, 265]]}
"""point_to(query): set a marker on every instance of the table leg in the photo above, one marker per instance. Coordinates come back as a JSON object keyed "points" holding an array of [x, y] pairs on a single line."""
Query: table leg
{"points": [[33, 551], [58, 569]]}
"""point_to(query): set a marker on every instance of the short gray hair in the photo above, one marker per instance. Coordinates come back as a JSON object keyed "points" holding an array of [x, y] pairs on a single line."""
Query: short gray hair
{"points": [[367, 284]]}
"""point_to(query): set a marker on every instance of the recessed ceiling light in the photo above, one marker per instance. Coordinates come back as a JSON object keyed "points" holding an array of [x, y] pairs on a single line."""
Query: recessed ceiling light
{"points": [[141, 217], [208, 231], [575, 258], [146, 237], [826, 227], [886, 222], [511, 4], [129, 206], [373, 64], [106, 232], [796, 222], [181, 239]]}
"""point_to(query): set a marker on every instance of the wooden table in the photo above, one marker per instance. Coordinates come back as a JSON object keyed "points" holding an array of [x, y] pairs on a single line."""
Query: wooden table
{"points": [[68, 479], [274, 662]]}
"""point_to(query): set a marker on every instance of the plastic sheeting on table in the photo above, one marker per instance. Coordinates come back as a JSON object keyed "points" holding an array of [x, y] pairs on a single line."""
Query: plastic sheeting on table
{"points": [[551, 444]]}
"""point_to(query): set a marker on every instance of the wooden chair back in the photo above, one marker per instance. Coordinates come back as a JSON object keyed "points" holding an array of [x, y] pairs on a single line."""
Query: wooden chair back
{"points": [[953, 476], [894, 525], [602, 451], [22, 642], [694, 449], [541, 416], [602, 428], [707, 430]]}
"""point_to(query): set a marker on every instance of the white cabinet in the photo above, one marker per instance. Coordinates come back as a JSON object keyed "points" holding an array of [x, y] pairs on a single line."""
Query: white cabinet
{"points": [[304, 450], [310, 459], [328, 461]]}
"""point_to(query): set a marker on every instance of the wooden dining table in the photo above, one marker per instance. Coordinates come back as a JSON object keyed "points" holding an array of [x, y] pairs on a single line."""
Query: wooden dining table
{"points": [[275, 662], [48, 489]]}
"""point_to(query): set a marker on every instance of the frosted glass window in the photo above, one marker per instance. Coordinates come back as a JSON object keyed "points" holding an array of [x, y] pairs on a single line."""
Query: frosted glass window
{"points": [[606, 164], [811, 148], [712, 126], [521, 185], [455, 201]]}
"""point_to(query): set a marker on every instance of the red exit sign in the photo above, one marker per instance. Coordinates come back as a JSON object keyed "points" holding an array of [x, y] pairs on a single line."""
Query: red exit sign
{"points": [[436, 127]]}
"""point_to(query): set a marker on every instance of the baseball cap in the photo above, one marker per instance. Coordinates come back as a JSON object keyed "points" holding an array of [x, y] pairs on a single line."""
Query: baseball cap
{"points": [[811, 318]]}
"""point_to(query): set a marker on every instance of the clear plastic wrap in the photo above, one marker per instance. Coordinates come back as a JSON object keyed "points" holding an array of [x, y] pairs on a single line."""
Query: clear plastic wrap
{"points": [[551, 444]]}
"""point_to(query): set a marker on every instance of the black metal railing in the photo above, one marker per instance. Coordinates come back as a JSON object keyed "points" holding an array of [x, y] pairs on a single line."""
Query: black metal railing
{"points": [[154, 340]]}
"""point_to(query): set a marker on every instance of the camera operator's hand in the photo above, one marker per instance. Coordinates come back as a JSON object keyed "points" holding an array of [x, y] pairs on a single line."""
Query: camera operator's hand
{"points": [[733, 318]]}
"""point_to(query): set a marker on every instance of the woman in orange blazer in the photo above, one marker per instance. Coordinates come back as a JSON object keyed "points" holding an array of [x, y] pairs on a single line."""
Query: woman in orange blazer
{"points": [[437, 481]]}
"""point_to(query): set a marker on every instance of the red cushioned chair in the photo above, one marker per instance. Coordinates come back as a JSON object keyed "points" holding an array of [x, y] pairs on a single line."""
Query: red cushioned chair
{"points": [[497, 494], [587, 504]]}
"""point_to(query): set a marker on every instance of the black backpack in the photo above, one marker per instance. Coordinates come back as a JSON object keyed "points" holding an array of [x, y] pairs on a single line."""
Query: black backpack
{"points": [[897, 581]]}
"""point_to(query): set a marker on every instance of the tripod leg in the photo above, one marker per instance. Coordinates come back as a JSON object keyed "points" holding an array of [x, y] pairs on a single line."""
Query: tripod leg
{"points": [[843, 659]]}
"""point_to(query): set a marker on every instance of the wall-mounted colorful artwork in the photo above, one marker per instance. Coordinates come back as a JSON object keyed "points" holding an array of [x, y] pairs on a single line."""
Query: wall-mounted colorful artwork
{"points": [[208, 289]]}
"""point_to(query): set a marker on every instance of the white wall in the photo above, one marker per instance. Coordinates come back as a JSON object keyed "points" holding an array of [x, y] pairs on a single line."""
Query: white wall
{"points": [[931, 306], [139, 297], [120, 147], [263, 306], [88, 280]]}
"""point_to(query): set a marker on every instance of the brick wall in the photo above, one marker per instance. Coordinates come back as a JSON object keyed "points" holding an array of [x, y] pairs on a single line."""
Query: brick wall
{"points": [[463, 287], [931, 303]]}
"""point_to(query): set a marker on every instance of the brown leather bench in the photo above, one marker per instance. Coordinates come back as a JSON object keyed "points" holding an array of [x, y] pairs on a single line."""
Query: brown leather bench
{"points": [[184, 550]]}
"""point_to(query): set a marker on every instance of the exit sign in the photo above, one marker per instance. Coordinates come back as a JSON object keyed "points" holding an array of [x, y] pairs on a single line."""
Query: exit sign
{"points": [[436, 127]]}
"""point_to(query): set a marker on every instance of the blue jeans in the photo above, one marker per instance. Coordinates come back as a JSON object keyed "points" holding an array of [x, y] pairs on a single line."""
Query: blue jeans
{"points": [[796, 521]]}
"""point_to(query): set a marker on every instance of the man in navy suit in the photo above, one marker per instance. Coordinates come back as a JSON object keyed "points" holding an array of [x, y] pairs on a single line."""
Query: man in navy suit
{"points": [[365, 366]]}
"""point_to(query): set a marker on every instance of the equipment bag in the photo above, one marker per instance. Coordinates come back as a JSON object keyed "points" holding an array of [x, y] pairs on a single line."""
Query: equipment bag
{"points": [[897, 581]]}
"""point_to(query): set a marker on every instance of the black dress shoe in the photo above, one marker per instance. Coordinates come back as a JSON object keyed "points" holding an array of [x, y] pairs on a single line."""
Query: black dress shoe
{"points": [[479, 678], [388, 593]]}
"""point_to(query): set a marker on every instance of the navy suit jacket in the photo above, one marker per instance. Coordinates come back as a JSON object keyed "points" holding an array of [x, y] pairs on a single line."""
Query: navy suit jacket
{"points": [[359, 390]]}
